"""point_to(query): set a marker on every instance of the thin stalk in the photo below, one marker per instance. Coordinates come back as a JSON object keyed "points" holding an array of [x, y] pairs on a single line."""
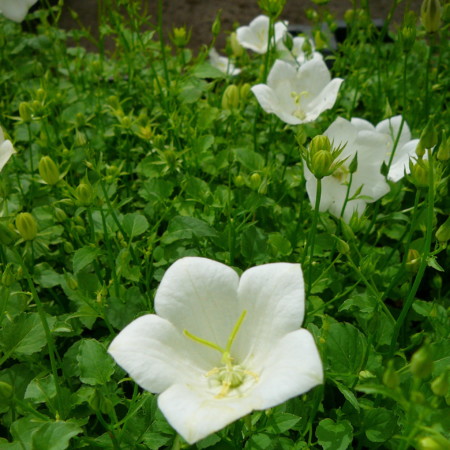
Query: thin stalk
{"points": [[424, 257], [161, 40], [312, 235]]}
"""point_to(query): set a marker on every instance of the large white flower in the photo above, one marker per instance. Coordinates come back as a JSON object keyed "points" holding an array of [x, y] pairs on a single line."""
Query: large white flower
{"points": [[16, 10], [302, 50], [6, 149], [221, 346], [373, 145], [255, 36], [298, 95], [222, 63]]}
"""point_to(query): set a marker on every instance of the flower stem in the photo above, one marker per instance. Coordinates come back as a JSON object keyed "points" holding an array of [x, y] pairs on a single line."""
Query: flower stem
{"points": [[312, 235], [424, 257]]}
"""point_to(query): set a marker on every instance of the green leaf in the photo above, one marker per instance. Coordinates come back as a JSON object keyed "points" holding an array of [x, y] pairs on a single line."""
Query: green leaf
{"points": [[347, 393], [254, 244], [83, 257], [96, 366], [281, 422], [54, 435], [156, 189], [432, 262], [379, 424], [25, 335], [206, 70], [334, 436], [249, 159], [41, 389], [134, 224], [259, 441], [183, 227]]}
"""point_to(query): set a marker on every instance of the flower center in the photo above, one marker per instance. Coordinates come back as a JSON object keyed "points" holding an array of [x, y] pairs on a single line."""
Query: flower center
{"points": [[297, 97], [230, 375], [341, 174]]}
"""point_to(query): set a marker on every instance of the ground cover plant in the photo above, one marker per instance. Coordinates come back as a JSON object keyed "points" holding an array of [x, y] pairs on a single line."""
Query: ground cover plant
{"points": [[228, 248]]}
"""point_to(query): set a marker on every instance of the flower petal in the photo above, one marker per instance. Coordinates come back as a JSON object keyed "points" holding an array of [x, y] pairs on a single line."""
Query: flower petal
{"points": [[341, 132], [255, 35], [400, 162], [323, 101], [312, 77], [292, 367], [200, 295], [195, 413], [15, 10], [6, 150], [361, 124], [273, 296], [391, 128], [156, 355]]}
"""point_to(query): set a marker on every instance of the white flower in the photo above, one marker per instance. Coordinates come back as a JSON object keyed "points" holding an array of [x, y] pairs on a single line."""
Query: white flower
{"points": [[222, 63], [302, 51], [298, 95], [256, 35], [374, 146], [16, 10], [221, 346], [6, 150]]}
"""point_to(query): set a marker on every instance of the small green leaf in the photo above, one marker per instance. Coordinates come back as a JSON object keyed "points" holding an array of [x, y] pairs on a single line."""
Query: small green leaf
{"points": [[281, 422], [379, 424], [54, 435], [432, 262], [334, 436], [135, 224], [96, 366], [83, 257]]}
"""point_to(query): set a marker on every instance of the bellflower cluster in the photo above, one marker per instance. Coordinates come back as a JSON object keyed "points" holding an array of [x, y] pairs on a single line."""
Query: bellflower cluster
{"points": [[16, 10], [345, 193], [220, 345], [302, 50]]}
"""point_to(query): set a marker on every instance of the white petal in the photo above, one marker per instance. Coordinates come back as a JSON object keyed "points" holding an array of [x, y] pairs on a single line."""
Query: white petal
{"points": [[341, 132], [254, 36], [281, 72], [312, 77], [195, 413], [6, 150], [200, 295], [292, 368], [353, 206], [400, 162], [156, 355], [323, 101], [273, 296], [361, 124], [391, 127], [15, 10]]}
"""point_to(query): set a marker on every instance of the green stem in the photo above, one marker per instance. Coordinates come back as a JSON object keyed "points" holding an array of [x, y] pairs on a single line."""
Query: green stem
{"points": [[424, 257], [161, 40]]}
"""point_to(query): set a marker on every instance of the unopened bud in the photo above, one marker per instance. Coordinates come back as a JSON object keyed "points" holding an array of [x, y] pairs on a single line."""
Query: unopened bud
{"points": [[60, 215], [320, 142], [421, 362], [68, 247], [239, 180], [420, 150], [412, 260], [230, 98], [443, 153], [273, 8], [180, 36], [353, 167], [26, 226], [255, 180], [407, 38], [391, 378], [6, 392], [429, 137], [435, 442], [8, 277], [84, 193], [25, 112], [48, 170], [430, 14], [216, 24], [321, 163], [440, 385], [80, 138], [244, 90], [342, 246], [420, 173], [71, 281], [288, 41], [7, 235], [236, 48], [443, 232]]}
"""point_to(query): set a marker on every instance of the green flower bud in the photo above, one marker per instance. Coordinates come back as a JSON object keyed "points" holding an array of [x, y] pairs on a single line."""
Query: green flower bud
{"points": [[412, 260], [435, 442], [71, 281], [440, 385], [420, 150], [255, 180], [288, 41], [26, 226], [68, 247], [443, 232], [321, 163], [244, 90], [391, 378], [215, 29], [320, 142], [60, 215], [25, 112], [342, 246], [8, 276], [430, 13], [353, 167], [7, 235], [80, 138], [48, 170], [429, 137], [436, 282], [407, 37], [180, 36], [236, 48], [239, 180], [443, 153], [421, 362], [273, 8], [84, 193], [420, 173], [6, 392], [347, 231], [230, 98]]}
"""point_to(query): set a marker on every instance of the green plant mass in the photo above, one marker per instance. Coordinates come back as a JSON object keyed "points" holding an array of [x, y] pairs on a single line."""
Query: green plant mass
{"points": [[225, 248]]}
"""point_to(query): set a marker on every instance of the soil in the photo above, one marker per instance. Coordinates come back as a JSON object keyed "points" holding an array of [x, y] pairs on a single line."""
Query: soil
{"points": [[198, 15]]}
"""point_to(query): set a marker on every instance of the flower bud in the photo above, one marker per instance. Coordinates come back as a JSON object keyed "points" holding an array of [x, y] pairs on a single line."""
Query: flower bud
{"points": [[390, 376], [429, 137], [84, 193], [68, 247], [80, 138], [6, 392], [342, 246], [71, 281], [420, 173], [236, 48], [244, 90], [27, 226], [8, 277], [215, 28], [353, 167], [320, 142], [239, 180], [420, 150], [48, 170], [255, 180], [435, 442], [421, 362], [60, 215], [430, 13], [273, 8], [412, 260], [347, 231], [443, 232], [25, 112], [230, 98], [288, 41], [321, 163], [7, 236], [443, 153], [440, 385], [407, 37], [180, 37]]}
